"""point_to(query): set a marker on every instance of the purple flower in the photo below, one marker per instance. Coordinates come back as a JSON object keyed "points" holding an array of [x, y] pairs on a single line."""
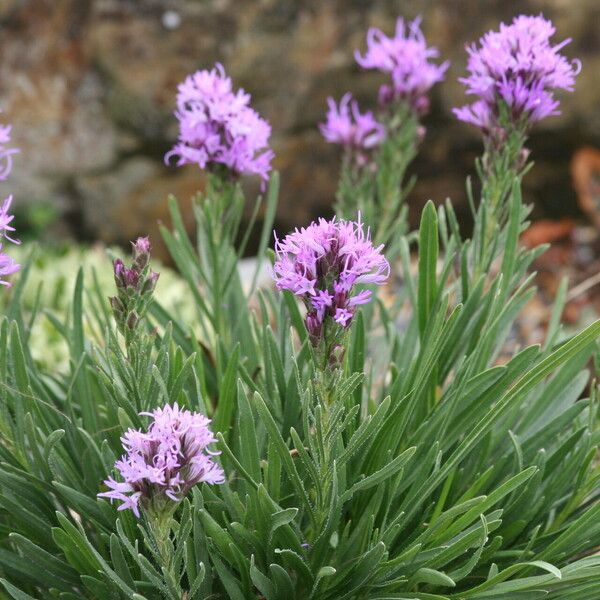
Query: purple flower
{"points": [[5, 221], [125, 277], [218, 127], [7, 265], [349, 127], [5, 153], [142, 247], [407, 59], [323, 263], [515, 72], [166, 461]]}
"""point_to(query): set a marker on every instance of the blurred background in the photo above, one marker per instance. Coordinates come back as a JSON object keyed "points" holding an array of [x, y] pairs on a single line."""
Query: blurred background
{"points": [[89, 87]]}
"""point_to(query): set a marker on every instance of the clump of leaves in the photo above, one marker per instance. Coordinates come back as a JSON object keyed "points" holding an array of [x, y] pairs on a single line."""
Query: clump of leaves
{"points": [[441, 474]]}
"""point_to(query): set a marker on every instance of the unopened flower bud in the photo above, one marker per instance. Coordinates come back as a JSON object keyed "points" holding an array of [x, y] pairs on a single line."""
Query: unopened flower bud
{"points": [[422, 105], [313, 326], [522, 158], [119, 271], [132, 278], [134, 288], [132, 320], [386, 95], [141, 252], [150, 283], [116, 305], [336, 357]]}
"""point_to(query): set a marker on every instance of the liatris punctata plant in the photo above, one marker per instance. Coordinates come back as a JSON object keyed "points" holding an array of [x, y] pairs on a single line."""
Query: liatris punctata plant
{"points": [[514, 72], [221, 133], [438, 463], [161, 466], [322, 264], [378, 148], [135, 286], [7, 265]]}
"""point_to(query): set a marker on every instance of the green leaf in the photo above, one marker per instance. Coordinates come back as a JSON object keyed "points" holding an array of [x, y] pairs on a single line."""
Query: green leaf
{"points": [[15, 592], [263, 583], [382, 475], [432, 577], [283, 452], [49, 569], [490, 584], [227, 395], [527, 382], [267, 227], [428, 255]]}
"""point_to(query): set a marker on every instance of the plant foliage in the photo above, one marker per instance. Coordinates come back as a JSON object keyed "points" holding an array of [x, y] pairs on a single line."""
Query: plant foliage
{"points": [[427, 465]]}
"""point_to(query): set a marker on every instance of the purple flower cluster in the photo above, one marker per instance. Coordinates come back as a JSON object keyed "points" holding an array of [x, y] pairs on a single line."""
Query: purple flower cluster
{"points": [[323, 263], [347, 126], [166, 461], [5, 152], [7, 265], [407, 59], [350, 128], [517, 69], [218, 127]]}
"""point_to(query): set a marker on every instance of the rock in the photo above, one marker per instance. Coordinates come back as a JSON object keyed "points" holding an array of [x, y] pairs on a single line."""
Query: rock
{"points": [[131, 201], [585, 171]]}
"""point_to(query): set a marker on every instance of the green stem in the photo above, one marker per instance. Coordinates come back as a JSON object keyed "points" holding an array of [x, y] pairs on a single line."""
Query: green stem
{"points": [[160, 525], [499, 168]]}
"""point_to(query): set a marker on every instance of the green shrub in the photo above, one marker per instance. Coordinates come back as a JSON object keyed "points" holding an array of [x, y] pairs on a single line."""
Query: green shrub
{"points": [[385, 452]]}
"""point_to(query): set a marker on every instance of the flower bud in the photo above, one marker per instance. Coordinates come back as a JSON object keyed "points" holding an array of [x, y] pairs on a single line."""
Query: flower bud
{"points": [[150, 283], [135, 285], [116, 305], [132, 320], [119, 271], [141, 252]]}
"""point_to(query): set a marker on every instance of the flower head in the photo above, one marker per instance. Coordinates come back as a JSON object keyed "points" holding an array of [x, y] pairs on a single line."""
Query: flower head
{"points": [[142, 247], [164, 462], [515, 72], [218, 127], [5, 153], [347, 126], [7, 265], [323, 263], [407, 58], [5, 221]]}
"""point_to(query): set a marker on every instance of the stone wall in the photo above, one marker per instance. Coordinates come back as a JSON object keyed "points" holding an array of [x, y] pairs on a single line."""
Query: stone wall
{"points": [[89, 86]]}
